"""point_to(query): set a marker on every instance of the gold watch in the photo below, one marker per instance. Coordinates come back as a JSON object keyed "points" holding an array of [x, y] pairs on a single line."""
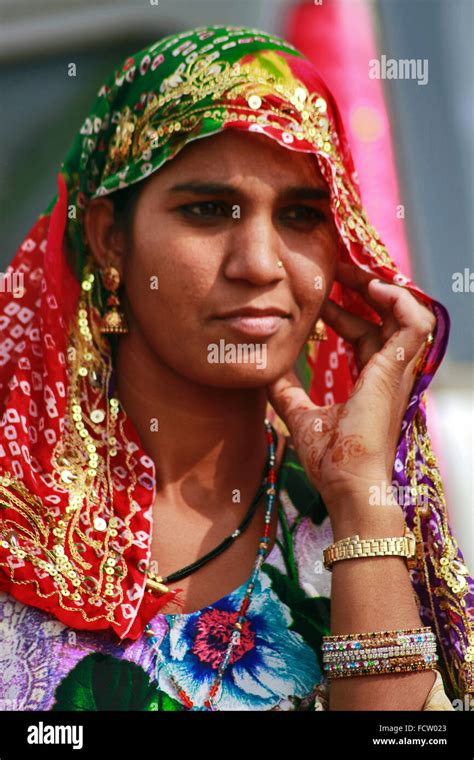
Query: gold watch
{"points": [[354, 546]]}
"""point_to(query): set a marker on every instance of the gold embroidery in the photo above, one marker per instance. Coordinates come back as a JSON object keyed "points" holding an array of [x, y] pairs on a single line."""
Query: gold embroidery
{"points": [[446, 565], [83, 475], [120, 143]]}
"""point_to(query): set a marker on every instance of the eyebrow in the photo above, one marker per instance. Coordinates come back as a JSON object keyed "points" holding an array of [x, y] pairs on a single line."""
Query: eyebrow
{"points": [[294, 192]]}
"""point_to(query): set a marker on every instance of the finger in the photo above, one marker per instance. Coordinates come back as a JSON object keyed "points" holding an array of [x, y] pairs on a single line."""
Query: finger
{"points": [[348, 325], [414, 319], [412, 366], [289, 399], [357, 279], [365, 337]]}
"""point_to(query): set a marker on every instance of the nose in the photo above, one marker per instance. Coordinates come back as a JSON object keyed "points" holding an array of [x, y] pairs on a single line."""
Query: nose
{"points": [[254, 250]]}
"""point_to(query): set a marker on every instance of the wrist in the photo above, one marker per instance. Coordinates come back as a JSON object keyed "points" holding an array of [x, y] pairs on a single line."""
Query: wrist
{"points": [[368, 504], [376, 521]]}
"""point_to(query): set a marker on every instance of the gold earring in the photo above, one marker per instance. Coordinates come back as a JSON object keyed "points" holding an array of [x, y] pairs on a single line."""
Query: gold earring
{"points": [[319, 331], [113, 320]]}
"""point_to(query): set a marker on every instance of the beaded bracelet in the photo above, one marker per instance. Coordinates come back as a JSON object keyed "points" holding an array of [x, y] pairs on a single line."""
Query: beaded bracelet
{"points": [[364, 654], [376, 668], [380, 654], [389, 642], [402, 635]]}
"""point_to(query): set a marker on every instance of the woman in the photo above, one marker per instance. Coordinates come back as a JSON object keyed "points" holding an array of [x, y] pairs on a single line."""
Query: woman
{"points": [[164, 546]]}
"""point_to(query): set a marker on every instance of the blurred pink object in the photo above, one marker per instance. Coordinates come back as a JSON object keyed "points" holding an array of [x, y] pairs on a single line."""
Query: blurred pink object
{"points": [[339, 37]]}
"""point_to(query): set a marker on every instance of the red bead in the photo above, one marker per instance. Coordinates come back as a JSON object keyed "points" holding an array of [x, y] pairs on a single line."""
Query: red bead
{"points": [[245, 604], [187, 701]]}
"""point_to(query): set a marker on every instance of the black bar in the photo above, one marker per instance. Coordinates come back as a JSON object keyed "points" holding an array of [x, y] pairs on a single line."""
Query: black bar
{"points": [[121, 735]]}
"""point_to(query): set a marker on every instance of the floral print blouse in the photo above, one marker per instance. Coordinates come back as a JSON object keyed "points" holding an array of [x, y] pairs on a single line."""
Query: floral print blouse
{"points": [[45, 665]]}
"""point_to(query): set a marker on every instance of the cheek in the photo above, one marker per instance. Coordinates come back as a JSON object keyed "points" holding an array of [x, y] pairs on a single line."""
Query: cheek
{"points": [[167, 287], [312, 278]]}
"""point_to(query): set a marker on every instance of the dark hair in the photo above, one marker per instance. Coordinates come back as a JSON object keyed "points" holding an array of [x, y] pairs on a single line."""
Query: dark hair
{"points": [[124, 202]]}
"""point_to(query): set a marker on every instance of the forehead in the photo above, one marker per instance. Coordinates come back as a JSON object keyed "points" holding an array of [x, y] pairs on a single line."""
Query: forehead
{"points": [[239, 154]]}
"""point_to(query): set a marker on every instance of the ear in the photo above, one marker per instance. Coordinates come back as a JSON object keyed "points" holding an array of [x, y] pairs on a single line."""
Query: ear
{"points": [[106, 240]]}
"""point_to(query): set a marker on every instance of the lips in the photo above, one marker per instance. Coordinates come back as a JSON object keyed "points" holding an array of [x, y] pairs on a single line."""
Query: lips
{"points": [[253, 311], [256, 322]]}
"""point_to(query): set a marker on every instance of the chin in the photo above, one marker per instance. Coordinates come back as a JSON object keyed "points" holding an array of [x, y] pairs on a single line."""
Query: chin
{"points": [[243, 376]]}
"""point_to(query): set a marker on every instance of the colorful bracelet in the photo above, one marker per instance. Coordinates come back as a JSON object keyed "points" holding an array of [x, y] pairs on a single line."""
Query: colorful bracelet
{"points": [[376, 668], [354, 641], [366, 653], [379, 652]]}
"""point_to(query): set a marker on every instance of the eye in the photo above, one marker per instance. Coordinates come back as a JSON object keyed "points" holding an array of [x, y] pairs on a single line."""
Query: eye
{"points": [[204, 209], [303, 216]]}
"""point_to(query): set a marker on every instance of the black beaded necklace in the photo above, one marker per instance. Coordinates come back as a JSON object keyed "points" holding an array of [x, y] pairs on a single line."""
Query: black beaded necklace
{"points": [[158, 583]]}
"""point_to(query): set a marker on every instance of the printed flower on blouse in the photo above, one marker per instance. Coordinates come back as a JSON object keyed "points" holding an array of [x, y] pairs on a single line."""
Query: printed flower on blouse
{"points": [[270, 664]]}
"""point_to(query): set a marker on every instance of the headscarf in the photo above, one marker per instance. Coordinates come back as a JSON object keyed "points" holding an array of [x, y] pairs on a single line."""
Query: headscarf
{"points": [[63, 476]]}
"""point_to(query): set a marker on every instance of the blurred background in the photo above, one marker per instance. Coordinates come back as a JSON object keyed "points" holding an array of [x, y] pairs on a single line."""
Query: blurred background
{"points": [[412, 138]]}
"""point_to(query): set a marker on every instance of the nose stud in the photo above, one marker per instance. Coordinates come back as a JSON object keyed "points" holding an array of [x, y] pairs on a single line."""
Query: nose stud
{"points": [[280, 264]]}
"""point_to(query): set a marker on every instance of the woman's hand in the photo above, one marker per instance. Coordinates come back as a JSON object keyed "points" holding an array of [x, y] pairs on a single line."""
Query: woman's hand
{"points": [[348, 448]]}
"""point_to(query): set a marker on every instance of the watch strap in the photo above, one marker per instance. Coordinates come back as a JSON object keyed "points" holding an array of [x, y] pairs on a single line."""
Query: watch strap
{"points": [[354, 547]]}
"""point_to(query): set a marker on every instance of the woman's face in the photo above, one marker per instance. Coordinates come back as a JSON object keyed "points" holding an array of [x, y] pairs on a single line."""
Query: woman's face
{"points": [[208, 231]]}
